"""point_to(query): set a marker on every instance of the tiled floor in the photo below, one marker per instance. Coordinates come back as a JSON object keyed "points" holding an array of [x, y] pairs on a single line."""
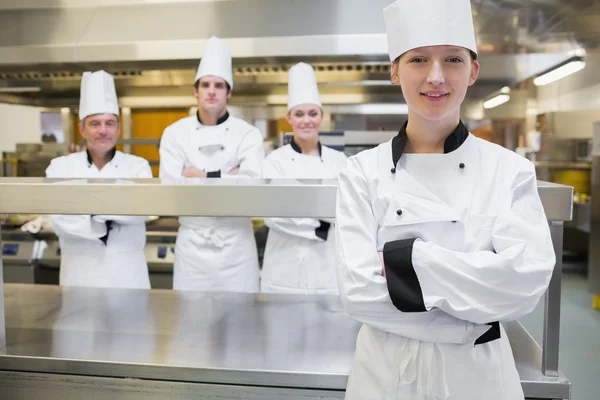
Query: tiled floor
{"points": [[580, 334]]}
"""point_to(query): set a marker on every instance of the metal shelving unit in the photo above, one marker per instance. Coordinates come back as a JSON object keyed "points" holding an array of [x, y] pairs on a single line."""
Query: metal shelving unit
{"points": [[74, 342]]}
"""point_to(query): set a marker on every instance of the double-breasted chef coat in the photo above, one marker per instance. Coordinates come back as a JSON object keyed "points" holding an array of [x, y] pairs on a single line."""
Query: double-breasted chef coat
{"points": [[214, 253], [101, 250], [466, 245], [300, 252]]}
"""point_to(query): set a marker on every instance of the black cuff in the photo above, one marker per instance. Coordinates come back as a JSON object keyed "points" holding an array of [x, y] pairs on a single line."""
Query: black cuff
{"points": [[214, 174], [492, 334], [403, 284], [323, 230], [104, 239]]}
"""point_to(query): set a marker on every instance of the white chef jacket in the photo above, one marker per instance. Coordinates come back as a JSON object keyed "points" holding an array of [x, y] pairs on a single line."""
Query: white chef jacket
{"points": [[101, 250], [214, 253], [300, 252], [466, 243]]}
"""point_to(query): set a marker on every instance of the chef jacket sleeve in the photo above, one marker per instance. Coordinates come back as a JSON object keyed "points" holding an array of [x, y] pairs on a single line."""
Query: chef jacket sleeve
{"points": [[141, 170], [78, 226], [483, 286], [251, 154], [306, 228], [362, 286], [172, 157]]}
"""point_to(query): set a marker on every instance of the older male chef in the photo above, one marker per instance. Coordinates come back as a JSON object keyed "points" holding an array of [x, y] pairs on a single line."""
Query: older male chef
{"points": [[100, 250], [213, 253]]}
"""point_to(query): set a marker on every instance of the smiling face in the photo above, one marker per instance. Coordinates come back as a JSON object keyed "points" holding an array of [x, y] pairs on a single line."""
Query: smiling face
{"points": [[100, 132], [435, 79], [305, 120]]}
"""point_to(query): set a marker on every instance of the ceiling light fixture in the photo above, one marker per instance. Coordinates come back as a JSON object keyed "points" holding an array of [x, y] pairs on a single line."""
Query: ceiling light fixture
{"points": [[560, 71], [496, 101], [31, 89]]}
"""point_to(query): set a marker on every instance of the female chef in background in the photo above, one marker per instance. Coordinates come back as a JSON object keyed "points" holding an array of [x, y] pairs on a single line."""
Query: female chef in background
{"points": [[300, 252], [456, 221]]}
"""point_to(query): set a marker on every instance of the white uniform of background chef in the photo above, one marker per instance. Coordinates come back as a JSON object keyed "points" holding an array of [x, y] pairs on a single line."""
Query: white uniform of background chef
{"points": [[101, 250], [213, 253], [300, 252], [457, 221]]}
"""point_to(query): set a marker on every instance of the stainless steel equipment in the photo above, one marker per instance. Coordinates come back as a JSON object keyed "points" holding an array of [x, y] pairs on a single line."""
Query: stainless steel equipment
{"points": [[18, 257], [75, 343], [31, 159], [594, 253]]}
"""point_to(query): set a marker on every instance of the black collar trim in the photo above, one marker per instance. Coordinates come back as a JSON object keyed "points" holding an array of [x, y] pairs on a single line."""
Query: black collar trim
{"points": [[219, 121], [453, 141], [297, 148], [112, 154]]}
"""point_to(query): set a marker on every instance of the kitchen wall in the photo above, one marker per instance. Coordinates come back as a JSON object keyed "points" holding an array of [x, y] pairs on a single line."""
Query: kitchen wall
{"points": [[19, 124], [574, 124]]}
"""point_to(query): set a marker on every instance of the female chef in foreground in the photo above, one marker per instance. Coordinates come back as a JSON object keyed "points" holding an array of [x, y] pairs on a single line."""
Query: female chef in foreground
{"points": [[300, 252], [456, 221]]}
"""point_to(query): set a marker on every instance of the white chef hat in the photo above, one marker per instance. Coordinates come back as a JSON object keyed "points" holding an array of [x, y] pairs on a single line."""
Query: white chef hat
{"points": [[302, 86], [411, 24], [98, 95], [216, 61]]}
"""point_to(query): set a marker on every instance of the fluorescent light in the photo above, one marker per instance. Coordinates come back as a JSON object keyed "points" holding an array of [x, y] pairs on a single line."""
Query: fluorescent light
{"points": [[559, 73], [496, 101], [31, 89], [505, 90]]}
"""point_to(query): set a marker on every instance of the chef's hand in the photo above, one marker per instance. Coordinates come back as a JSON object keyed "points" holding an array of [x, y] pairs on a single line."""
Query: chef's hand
{"points": [[190, 172], [234, 171], [75, 148], [380, 254]]}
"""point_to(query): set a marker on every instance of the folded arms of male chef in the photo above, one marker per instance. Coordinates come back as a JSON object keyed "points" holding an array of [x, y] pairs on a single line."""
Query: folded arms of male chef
{"points": [[94, 226], [249, 154]]}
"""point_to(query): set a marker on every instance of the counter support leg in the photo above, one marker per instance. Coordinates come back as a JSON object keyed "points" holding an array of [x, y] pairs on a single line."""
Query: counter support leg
{"points": [[2, 319], [550, 344]]}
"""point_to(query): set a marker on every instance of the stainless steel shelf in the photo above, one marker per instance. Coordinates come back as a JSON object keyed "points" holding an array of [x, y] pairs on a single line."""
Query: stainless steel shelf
{"points": [[191, 197], [203, 197]]}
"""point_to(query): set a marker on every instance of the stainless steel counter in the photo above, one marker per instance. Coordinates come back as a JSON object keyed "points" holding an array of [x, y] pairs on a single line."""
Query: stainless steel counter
{"points": [[274, 341], [235, 347], [289, 341]]}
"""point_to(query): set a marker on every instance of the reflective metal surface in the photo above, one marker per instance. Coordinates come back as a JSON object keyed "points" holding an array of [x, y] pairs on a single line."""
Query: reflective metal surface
{"points": [[192, 197], [35, 386], [203, 197], [594, 253], [528, 358], [198, 337], [289, 341], [557, 201], [552, 306], [242, 339]]}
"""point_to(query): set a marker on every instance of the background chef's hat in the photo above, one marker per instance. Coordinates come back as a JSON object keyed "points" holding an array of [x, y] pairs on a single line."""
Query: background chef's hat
{"points": [[302, 86], [98, 95], [410, 24], [216, 61]]}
